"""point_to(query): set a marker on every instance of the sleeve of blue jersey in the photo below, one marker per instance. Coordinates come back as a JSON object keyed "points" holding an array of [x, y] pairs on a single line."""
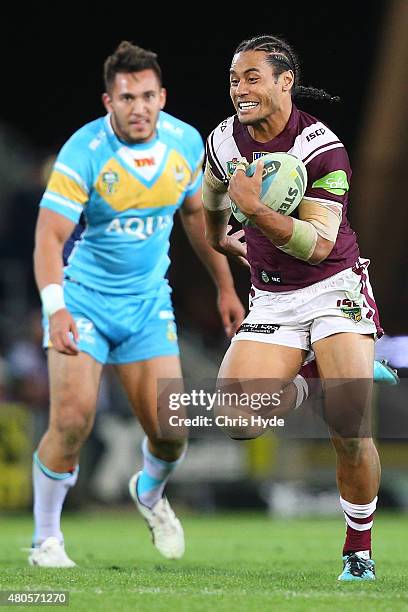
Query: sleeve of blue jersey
{"points": [[74, 161], [195, 186], [197, 158]]}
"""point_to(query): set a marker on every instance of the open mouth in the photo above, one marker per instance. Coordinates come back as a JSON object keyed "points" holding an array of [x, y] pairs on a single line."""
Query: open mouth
{"points": [[247, 106]]}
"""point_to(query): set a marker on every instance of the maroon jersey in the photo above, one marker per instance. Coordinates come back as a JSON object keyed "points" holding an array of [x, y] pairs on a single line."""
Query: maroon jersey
{"points": [[329, 176]]}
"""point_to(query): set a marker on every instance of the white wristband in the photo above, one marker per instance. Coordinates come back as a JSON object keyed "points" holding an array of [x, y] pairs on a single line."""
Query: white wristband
{"points": [[52, 298]]}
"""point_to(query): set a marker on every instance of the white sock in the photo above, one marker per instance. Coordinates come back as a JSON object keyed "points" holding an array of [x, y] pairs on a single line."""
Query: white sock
{"points": [[359, 520], [363, 554], [360, 512], [50, 490], [302, 389]]}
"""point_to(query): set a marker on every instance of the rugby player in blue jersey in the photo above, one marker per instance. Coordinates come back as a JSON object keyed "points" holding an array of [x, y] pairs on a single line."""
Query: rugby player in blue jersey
{"points": [[126, 173]]}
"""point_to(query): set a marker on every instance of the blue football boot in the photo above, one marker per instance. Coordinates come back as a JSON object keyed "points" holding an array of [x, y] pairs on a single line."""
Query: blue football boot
{"points": [[384, 374], [356, 568]]}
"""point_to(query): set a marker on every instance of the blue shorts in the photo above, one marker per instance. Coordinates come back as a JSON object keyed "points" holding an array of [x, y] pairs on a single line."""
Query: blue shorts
{"points": [[120, 328]]}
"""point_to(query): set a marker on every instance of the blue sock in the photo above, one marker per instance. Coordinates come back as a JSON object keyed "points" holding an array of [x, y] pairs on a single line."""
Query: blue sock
{"points": [[154, 476]]}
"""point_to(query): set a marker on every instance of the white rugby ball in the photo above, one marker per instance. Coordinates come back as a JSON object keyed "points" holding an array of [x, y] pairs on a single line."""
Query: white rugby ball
{"points": [[284, 181]]}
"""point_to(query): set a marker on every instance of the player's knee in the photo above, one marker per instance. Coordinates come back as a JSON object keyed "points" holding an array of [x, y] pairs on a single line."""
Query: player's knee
{"points": [[73, 429], [238, 428], [352, 449], [238, 423], [242, 433]]}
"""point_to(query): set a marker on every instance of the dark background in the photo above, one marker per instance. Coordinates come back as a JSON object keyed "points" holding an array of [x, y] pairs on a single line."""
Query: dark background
{"points": [[52, 84], [52, 73]]}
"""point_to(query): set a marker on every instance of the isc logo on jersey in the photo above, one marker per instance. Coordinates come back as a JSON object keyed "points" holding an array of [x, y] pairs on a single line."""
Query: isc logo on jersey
{"points": [[139, 228]]}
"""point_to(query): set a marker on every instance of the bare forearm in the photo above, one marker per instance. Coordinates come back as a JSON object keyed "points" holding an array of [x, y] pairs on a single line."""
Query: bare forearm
{"points": [[278, 228], [48, 262], [52, 231], [215, 226]]}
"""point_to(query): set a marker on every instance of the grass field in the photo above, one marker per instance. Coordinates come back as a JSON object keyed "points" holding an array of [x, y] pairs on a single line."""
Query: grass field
{"points": [[233, 562]]}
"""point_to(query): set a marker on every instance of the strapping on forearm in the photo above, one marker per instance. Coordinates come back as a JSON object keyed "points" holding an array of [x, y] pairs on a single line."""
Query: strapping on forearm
{"points": [[325, 219], [303, 241], [215, 196]]}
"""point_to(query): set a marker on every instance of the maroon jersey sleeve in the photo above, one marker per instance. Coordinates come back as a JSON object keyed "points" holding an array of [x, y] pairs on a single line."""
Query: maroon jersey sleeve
{"points": [[329, 177]]}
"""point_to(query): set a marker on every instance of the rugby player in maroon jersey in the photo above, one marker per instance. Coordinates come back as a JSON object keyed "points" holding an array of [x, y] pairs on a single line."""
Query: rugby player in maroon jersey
{"points": [[310, 288]]}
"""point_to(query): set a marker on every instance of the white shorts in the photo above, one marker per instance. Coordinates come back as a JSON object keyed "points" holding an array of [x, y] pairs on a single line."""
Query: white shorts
{"points": [[341, 303]]}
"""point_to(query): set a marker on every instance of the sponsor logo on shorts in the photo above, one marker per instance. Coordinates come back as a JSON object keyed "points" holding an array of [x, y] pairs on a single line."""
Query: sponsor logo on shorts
{"points": [[270, 278], [258, 328], [350, 309], [86, 330]]}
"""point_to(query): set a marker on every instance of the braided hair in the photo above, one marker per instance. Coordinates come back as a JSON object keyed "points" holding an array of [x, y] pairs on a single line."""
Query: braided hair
{"points": [[282, 57]]}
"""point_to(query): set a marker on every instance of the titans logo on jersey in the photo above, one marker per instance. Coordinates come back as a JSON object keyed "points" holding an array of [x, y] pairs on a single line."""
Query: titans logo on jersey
{"points": [[127, 195]]}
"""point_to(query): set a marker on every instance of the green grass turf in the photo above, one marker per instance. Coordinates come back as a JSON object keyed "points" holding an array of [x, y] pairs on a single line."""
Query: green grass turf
{"points": [[233, 562]]}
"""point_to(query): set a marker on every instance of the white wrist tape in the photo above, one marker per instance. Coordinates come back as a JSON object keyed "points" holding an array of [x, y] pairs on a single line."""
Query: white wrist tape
{"points": [[52, 298]]}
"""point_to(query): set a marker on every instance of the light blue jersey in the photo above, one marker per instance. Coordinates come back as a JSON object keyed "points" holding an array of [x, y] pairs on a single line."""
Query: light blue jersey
{"points": [[128, 194]]}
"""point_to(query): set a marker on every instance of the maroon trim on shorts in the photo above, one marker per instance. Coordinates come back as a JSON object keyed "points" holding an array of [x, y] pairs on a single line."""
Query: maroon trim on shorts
{"points": [[361, 269]]}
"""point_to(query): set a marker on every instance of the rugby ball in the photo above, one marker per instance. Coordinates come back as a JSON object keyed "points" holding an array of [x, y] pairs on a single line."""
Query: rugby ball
{"points": [[284, 181]]}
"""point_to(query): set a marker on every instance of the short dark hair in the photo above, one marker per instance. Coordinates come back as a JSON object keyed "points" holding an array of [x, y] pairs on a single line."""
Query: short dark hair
{"points": [[282, 57], [128, 57]]}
